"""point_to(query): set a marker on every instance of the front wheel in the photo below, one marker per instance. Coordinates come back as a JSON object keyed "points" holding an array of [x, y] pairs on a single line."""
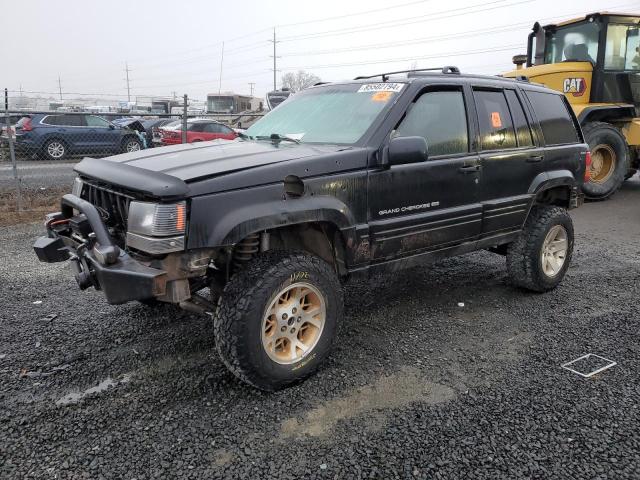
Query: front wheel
{"points": [[277, 318], [539, 258], [131, 145]]}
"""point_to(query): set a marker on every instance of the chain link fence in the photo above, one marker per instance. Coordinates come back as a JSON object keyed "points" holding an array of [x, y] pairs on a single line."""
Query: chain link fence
{"points": [[38, 148]]}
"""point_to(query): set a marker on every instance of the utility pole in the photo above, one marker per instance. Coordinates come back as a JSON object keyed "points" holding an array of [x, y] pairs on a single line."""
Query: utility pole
{"points": [[60, 87], [221, 60], [126, 70], [275, 69], [251, 85]]}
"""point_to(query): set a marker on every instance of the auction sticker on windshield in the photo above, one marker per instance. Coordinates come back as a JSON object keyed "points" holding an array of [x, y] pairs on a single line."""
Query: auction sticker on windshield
{"points": [[380, 87]]}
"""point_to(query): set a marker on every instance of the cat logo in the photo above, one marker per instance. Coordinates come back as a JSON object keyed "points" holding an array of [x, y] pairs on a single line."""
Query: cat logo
{"points": [[574, 86]]}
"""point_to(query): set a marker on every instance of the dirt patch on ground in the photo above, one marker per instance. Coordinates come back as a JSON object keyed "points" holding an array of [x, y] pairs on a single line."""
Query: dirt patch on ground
{"points": [[35, 204], [397, 390]]}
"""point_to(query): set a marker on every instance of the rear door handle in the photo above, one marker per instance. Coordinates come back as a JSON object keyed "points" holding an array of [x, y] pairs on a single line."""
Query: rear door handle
{"points": [[469, 169], [534, 159]]}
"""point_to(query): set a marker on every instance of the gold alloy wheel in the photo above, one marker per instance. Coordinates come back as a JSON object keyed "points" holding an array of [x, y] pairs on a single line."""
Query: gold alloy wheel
{"points": [[603, 163], [293, 323], [554, 250]]}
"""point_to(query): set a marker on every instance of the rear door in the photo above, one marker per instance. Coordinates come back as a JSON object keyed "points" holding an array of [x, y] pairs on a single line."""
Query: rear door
{"points": [[509, 156], [433, 204], [71, 129]]}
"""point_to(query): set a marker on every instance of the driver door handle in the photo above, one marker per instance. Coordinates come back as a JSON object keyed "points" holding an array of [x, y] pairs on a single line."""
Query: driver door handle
{"points": [[534, 158], [469, 169]]}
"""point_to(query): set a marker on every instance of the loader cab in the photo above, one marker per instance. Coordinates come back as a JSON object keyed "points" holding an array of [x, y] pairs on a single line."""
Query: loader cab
{"points": [[610, 43]]}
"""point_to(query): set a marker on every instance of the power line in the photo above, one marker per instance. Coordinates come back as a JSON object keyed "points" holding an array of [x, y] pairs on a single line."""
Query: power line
{"points": [[394, 60], [411, 41], [355, 14], [407, 20]]}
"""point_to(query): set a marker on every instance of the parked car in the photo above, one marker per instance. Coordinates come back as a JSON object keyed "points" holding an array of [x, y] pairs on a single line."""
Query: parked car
{"points": [[389, 172], [152, 129], [13, 119], [56, 136], [198, 130], [158, 132]]}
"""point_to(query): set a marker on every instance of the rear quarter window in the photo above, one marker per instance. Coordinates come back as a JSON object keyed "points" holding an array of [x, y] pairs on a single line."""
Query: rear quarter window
{"points": [[554, 117]]}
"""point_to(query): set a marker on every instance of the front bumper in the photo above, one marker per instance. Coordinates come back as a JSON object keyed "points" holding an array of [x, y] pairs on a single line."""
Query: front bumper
{"points": [[96, 260]]}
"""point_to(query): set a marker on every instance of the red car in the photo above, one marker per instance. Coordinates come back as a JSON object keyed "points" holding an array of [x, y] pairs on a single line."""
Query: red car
{"points": [[197, 131]]}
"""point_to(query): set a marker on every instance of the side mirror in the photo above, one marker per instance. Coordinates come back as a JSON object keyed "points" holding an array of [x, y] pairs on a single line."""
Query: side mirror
{"points": [[404, 150], [112, 126]]}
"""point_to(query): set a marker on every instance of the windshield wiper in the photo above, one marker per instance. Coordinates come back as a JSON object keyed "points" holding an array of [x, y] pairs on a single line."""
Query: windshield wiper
{"points": [[277, 136]]}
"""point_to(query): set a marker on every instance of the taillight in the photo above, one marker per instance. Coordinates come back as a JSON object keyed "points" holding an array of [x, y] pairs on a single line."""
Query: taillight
{"points": [[26, 125], [587, 167]]}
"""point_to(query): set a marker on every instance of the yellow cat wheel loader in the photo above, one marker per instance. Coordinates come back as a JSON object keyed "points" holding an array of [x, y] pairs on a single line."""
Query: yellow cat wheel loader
{"points": [[595, 61]]}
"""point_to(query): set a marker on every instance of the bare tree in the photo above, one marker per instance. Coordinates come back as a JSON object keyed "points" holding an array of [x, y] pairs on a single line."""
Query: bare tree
{"points": [[299, 81]]}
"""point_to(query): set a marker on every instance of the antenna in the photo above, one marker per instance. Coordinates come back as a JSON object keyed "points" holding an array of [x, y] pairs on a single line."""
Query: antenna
{"points": [[251, 85], [60, 87]]}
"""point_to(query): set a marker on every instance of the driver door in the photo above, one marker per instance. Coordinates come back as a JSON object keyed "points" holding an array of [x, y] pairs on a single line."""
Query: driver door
{"points": [[433, 204]]}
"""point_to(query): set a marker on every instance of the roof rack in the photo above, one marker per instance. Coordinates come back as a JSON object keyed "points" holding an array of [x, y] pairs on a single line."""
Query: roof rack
{"points": [[448, 69]]}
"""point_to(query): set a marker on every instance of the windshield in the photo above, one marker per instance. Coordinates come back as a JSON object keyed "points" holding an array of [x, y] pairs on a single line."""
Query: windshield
{"points": [[221, 104], [336, 114], [577, 43], [623, 48]]}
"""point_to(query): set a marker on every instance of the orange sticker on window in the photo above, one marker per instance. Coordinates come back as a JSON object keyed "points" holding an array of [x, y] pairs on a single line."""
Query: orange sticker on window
{"points": [[381, 96], [496, 121]]}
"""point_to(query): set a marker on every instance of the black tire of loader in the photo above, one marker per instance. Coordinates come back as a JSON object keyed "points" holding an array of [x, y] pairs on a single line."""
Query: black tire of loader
{"points": [[598, 133]]}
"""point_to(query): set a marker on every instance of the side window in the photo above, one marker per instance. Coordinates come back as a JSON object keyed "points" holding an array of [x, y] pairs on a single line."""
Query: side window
{"points": [[555, 120], [440, 118], [212, 128], [93, 121], [496, 127], [196, 127], [523, 132], [51, 120], [72, 120]]}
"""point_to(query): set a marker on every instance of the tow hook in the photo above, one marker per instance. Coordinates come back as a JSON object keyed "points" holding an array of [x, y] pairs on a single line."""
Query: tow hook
{"points": [[81, 272]]}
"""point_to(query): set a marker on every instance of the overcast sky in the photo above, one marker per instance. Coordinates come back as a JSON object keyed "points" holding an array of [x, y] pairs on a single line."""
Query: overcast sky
{"points": [[177, 45]]}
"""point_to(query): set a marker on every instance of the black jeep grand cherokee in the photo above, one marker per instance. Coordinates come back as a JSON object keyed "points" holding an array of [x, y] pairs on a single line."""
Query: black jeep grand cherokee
{"points": [[376, 174]]}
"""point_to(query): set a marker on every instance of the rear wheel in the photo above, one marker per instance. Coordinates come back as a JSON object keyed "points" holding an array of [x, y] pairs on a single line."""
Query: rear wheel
{"points": [[539, 258], [54, 149], [609, 160], [276, 319]]}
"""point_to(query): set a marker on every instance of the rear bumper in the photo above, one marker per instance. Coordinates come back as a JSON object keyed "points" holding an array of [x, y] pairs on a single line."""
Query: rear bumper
{"points": [[97, 262]]}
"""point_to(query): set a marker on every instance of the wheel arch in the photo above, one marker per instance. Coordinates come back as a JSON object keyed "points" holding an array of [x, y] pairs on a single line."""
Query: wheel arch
{"points": [[554, 188], [292, 218], [605, 113]]}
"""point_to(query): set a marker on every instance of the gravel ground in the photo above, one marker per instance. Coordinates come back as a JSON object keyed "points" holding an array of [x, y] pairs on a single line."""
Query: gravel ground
{"points": [[417, 386]]}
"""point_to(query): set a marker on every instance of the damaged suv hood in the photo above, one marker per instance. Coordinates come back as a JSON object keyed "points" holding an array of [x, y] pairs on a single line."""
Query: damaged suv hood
{"points": [[166, 171]]}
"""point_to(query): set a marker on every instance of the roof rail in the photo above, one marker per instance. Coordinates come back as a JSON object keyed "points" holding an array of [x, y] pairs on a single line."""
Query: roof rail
{"points": [[448, 69]]}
